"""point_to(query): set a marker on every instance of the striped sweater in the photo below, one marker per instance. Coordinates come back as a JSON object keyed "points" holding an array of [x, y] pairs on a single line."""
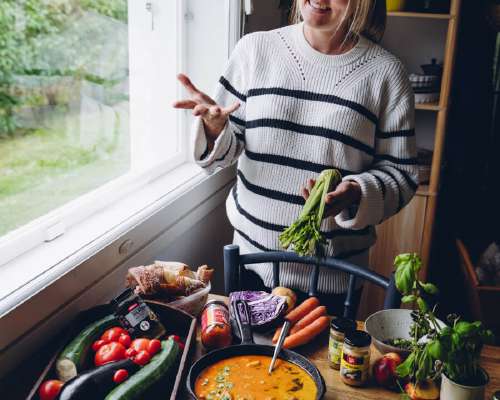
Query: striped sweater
{"points": [[303, 111]]}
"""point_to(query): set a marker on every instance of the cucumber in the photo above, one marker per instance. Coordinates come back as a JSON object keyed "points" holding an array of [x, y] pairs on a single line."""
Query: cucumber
{"points": [[73, 357], [158, 367]]}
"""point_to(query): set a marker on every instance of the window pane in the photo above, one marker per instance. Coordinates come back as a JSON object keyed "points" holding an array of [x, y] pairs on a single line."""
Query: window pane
{"points": [[64, 102]]}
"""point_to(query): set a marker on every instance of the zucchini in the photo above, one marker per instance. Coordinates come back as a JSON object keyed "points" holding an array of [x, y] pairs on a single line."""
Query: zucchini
{"points": [[157, 368], [72, 358]]}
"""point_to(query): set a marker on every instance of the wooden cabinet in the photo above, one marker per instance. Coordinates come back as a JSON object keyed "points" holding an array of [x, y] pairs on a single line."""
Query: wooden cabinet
{"points": [[400, 234]]}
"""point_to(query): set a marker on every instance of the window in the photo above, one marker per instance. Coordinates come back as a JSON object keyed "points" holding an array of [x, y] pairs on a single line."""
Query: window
{"points": [[85, 115]]}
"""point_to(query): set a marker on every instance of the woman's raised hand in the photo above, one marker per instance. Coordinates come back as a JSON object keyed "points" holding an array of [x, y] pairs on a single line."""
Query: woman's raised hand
{"points": [[214, 116]]}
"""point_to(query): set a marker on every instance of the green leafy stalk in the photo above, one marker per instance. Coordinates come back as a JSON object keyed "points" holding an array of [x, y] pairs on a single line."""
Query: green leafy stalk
{"points": [[304, 234]]}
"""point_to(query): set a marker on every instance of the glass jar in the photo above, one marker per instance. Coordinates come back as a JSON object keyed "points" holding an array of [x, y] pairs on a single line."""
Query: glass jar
{"points": [[215, 327], [338, 328], [355, 363]]}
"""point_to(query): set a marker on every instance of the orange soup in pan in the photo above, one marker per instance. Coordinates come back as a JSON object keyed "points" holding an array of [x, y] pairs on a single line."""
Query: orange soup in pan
{"points": [[247, 378]]}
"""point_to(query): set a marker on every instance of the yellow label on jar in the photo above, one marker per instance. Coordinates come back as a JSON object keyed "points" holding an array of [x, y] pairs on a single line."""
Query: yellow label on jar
{"points": [[355, 368], [335, 351]]}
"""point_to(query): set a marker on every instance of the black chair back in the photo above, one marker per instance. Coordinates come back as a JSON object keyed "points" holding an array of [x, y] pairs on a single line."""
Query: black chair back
{"points": [[234, 262]]}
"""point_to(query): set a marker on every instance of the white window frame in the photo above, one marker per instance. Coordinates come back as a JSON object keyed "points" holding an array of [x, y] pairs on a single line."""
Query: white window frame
{"points": [[32, 239]]}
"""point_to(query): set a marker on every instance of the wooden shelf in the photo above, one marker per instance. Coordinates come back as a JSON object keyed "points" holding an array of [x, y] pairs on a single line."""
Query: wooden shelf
{"points": [[423, 190], [434, 106], [418, 15]]}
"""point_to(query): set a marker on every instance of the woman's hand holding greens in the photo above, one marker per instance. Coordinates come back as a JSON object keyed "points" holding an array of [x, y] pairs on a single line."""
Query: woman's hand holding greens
{"points": [[213, 115], [346, 194]]}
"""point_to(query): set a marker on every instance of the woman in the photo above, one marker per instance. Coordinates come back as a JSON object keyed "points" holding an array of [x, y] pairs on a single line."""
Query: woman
{"points": [[294, 101]]}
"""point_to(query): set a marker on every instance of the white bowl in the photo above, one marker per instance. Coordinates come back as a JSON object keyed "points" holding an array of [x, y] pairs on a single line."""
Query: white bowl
{"points": [[389, 324], [392, 324]]}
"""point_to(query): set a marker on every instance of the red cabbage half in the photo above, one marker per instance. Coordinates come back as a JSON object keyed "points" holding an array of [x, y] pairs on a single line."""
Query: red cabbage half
{"points": [[266, 309]]}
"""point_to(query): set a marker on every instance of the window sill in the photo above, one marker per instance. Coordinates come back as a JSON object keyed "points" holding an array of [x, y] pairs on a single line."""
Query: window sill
{"points": [[101, 243]]}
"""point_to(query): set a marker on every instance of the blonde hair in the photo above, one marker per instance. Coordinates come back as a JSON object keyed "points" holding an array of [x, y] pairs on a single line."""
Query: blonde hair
{"points": [[362, 17]]}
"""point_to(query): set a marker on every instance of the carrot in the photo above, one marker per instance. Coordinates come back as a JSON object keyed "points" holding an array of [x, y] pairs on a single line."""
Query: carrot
{"points": [[306, 334], [308, 319], [297, 313]]}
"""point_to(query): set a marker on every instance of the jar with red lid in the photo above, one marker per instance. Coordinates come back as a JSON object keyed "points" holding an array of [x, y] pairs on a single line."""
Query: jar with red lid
{"points": [[215, 326]]}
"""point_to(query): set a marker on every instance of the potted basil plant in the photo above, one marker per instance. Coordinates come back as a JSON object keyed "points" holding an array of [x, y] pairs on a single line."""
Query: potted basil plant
{"points": [[451, 352]]}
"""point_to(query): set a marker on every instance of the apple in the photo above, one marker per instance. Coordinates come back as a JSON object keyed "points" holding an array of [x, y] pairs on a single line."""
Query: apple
{"points": [[425, 390], [384, 370]]}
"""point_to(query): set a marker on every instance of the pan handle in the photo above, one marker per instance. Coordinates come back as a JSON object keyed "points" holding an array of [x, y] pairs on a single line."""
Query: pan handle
{"points": [[244, 327]]}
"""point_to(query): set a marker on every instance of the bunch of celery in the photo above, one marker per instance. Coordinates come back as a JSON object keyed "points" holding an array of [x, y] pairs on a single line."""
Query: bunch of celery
{"points": [[304, 234]]}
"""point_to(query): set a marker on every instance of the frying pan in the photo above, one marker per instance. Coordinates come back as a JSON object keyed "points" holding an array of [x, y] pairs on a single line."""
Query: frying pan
{"points": [[248, 347]]}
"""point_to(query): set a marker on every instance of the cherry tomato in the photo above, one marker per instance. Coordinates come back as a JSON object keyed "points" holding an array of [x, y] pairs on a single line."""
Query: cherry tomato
{"points": [[175, 338], [142, 358], [112, 334], [140, 344], [125, 339], [130, 352], [98, 344], [154, 346], [110, 352], [50, 389], [120, 376]]}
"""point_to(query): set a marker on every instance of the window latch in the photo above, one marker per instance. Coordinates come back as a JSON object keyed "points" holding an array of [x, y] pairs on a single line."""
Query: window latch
{"points": [[149, 8]]}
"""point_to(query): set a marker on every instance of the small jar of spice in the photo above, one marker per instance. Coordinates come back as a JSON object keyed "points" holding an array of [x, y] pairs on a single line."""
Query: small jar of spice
{"points": [[355, 363], [338, 328], [215, 327]]}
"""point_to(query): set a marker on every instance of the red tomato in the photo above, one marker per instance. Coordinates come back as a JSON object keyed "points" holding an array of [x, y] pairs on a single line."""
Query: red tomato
{"points": [[142, 358], [112, 334], [125, 339], [98, 344], [110, 352], [140, 344], [175, 338], [154, 346], [120, 376], [49, 389], [130, 352]]}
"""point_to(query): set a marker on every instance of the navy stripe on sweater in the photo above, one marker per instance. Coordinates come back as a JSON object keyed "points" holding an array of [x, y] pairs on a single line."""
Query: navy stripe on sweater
{"points": [[306, 95], [224, 82], [396, 160], [311, 130], [256, 244], [292, 162], [389, 135], [280, 228], [270, 193]]}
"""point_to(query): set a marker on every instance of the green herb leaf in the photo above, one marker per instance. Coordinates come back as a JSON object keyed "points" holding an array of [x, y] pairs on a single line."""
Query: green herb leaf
{"points": [[429, 288], [407, 266], [406, 367], [422, 305], [435, 349], [408, 298]]}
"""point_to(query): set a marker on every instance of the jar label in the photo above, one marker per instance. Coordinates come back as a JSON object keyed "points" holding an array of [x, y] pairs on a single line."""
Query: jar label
{"points": [[335, 351], [214, 315], [355, 368]]}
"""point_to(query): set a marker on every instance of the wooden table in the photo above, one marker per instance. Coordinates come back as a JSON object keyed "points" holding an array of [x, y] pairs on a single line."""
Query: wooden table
{"points": [[317, 352]]}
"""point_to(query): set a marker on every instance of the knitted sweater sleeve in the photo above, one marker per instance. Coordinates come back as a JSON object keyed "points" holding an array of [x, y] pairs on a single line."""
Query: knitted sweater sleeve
{"points": [[230, 89], [392, 179]]}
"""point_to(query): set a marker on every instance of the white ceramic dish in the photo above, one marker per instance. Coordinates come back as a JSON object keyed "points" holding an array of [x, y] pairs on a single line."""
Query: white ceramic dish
{"points": [[390, 324]]}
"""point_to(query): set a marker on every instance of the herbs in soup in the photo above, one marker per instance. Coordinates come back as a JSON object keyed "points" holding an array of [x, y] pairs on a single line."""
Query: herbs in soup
{"points": [[247, 378]]}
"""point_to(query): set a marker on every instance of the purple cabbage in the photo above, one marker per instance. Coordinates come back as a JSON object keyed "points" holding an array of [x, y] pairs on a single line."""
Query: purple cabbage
{"points": [[265, 308]]}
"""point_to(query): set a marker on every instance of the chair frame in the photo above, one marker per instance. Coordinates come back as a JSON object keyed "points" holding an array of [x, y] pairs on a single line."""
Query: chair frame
{"points": [[234, 262]]}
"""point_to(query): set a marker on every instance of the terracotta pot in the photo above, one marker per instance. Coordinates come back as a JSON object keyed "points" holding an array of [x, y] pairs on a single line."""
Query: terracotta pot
{"points": [[451, 390]]}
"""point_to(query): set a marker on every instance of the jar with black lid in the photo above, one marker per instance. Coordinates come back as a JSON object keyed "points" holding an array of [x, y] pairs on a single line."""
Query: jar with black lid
{"points": [[338, 328], [355, 363]]}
